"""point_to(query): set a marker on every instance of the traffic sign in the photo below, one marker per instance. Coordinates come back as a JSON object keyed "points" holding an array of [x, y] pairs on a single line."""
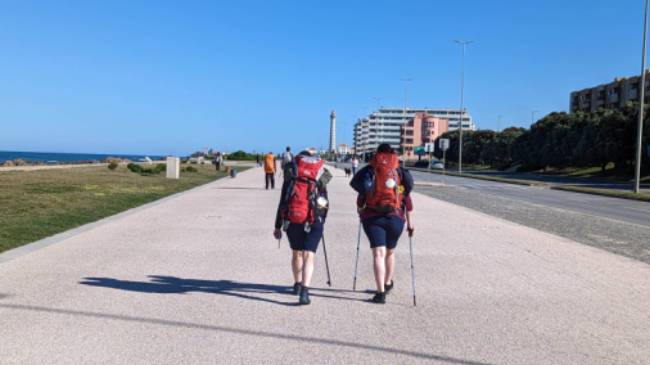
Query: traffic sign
{"points": [[428, 147], [444, 143]]}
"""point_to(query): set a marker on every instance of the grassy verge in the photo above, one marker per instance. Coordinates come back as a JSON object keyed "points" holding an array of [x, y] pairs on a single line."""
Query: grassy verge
{"points": [[38, 204]]}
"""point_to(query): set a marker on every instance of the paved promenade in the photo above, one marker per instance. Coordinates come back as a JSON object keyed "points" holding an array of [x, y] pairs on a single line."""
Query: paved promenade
{"points": [[198, 279]]}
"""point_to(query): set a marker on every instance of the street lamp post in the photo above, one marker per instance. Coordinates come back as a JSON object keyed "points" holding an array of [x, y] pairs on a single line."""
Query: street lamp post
{"points": [[532, 116], [464, 45], [639, 132], [377, 101], [406, 94]]}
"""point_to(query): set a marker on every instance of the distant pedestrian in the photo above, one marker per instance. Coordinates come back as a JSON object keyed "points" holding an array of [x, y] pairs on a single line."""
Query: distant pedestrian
{"points": [[355, 165], [287, 157], [269, 170], [384, 204], [301, 213], [257, 158], [217, 160]]}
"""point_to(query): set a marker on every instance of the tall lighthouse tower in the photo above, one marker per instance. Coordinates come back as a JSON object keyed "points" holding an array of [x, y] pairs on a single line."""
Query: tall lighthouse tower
{"points": [[333, 132]]}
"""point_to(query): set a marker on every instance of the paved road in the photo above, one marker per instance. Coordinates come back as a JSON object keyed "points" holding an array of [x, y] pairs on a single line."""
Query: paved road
{"points": [[617, 225], [629, 211], [197, 279]]}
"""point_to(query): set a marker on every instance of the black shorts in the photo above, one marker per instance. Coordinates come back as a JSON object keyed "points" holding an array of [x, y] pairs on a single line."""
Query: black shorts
{"points": [[300, 240], [383, 231]]}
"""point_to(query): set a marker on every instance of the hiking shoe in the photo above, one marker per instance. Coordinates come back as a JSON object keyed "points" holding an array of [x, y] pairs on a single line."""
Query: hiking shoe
{"points": [[379, 298], [296, 288], [304, 296], [389, 287]]}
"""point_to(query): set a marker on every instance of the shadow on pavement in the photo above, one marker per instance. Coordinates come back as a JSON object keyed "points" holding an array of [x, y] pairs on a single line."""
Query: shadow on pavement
{"points": [[173, 285], [245, 332], [237, 188]]}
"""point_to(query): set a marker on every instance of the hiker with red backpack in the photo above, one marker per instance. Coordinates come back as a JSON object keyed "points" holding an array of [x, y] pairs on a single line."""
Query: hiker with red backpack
{"points": [[301, 214], [384, 205]]}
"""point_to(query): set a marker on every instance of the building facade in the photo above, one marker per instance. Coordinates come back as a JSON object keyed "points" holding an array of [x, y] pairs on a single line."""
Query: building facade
{"points": [[385, 126], [343, 149], [609, 96], [420, 130]]}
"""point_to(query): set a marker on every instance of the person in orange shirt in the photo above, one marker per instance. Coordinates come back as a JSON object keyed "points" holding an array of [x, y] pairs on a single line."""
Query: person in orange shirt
{"points": [[269, 170]]}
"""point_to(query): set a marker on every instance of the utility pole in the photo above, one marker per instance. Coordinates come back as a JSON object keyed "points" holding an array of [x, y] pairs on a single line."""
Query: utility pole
{"points": [[464, 45], [639, 132], [377, 100], [406, 95]]}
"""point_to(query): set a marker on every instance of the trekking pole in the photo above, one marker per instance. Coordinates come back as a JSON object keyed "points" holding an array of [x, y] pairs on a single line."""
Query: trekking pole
{"points": [[327, 265], [356, 261], [410, 231]]}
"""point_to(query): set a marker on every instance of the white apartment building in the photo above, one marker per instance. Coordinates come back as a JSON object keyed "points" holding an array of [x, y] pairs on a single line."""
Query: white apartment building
{"points": [[384, 126]]}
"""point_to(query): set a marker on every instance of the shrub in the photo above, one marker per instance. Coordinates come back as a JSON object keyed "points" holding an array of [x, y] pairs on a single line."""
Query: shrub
{"points": [[134, 167], [189, 169], [20, 162], [8, 163], [147, 170], [112, 165], [161, 167]]}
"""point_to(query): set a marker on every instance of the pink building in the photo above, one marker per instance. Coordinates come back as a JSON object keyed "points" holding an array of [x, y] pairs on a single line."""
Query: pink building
{"points": [[422, 129]]}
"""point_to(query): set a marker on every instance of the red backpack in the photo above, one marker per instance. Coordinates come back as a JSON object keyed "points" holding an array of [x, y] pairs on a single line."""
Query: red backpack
{"points": [[301, 199], [384, 195]]}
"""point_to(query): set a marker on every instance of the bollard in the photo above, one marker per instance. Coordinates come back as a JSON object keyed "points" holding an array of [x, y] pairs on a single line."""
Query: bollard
{"points": [[173, 167]]}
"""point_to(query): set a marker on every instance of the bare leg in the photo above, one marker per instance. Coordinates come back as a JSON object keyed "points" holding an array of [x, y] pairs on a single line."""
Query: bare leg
{"points": [[390, 266], [379, 255], [307, 268], [296, 265]]}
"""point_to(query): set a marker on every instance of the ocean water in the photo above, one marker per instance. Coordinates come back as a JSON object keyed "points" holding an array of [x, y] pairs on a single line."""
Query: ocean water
{"points": [[60, 157]]}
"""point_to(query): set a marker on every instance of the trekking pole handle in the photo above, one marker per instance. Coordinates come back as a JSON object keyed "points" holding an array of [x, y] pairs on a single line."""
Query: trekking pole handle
{"points": [[409, 227]]}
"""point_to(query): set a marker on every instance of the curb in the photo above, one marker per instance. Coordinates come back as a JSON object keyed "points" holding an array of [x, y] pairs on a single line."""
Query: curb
{"points": [[618, 194], [487, 178]]}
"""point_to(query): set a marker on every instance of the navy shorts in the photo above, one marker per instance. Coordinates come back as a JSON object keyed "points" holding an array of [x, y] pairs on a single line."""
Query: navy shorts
{"points": [[300, 240], [383, 231]]}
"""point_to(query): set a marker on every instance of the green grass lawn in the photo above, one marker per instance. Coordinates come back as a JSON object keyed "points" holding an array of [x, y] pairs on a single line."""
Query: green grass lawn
{"points": [[38, 204]]}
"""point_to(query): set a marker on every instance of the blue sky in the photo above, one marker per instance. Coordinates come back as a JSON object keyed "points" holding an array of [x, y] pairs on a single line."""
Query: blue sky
{"points": [[170, 77]]}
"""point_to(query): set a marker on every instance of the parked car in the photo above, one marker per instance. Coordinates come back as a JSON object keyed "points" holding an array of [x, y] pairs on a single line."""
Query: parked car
{"points": [[437, 165]]}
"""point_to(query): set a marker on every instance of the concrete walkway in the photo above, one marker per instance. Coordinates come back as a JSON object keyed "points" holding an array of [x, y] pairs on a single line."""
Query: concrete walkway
{"points": [[198, 279]]}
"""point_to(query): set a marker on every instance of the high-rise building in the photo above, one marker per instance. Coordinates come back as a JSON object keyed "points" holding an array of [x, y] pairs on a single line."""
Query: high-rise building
{"points": [[385, 126], [332, 146]]}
